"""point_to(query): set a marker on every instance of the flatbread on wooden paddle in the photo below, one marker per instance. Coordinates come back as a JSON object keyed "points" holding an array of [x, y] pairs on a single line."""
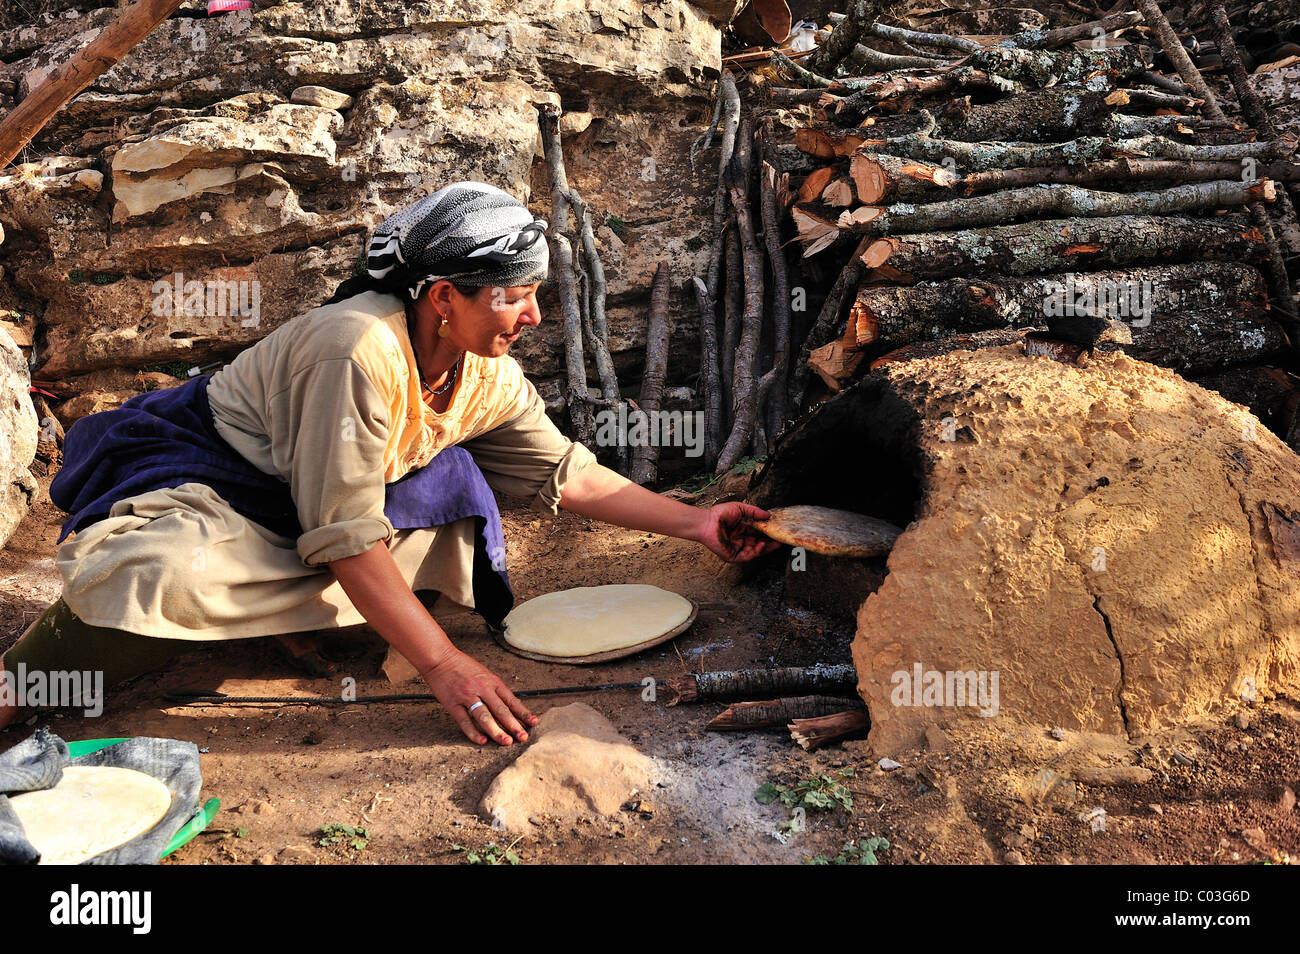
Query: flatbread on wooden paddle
{"points": [[92, 810], [596, 623], [841, 533]]}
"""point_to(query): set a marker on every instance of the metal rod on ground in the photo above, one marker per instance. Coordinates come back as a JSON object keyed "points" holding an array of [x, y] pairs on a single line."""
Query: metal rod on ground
{"points": [[221, 699]]}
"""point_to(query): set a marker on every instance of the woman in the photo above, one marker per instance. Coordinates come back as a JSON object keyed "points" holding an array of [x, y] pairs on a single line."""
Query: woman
{"points": [[339, 466]]}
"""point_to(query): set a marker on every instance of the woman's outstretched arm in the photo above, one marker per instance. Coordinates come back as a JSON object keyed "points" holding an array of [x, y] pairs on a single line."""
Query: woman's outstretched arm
{"points": [[596, 491], [379, 592]]}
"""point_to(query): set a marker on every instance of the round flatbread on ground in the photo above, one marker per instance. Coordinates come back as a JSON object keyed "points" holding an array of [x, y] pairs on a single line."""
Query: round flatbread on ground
{"points": [[841, 533], [92, 810], [596, 623]]}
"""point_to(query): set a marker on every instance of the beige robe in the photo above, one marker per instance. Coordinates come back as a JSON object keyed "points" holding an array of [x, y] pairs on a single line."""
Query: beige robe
{"points": [[324, 402]]}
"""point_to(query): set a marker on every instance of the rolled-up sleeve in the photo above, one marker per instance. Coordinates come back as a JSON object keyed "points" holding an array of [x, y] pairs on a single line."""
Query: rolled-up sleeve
{"points": [[527, 456], [339, 427]]}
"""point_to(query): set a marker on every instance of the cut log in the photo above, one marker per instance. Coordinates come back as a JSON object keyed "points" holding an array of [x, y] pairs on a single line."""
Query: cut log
{"points": [[888, 88], [1191, 318], [817, 225], [822, 679], [845, 36], [1048, 245], [741, 716], [835, 365], [881, 178], [710, 376], [1121, 170], [815, 184], [562, 253], [645, 457], [1174, 49], [839, 193], [823, 730], [826, 325], [998, 208], [1092, 30], [1042, 68], [972, 157]]}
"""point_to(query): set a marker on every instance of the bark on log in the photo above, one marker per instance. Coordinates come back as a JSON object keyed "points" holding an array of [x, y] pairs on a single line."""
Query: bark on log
{"points": [[912, 38], [1093, 29], [1050, 245], [826, 325], [1173, 48], [742, 716], [1191, 318], [772, 386], [1121, 170], [851, 108], [823, 730], [865, 59], [730, 100], [645, 457], [845, 36], [562, 253], [1001, 207], [744, 390], [598, 333], [974, 157], [881, 178], [1255, 113], [740, 683], [710, 376], [1042, 68], [732, 305], [117, 39]]}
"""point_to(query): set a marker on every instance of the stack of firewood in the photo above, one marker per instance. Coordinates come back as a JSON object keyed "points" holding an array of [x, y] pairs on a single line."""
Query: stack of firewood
{"points": [[981, 183]]}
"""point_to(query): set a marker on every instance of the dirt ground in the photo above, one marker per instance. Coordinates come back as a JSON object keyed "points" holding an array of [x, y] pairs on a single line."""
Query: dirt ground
{"points": [[975, 794]]}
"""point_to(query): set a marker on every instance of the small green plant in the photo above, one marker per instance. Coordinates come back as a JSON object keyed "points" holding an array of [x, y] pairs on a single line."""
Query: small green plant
{"points": [[335, 833], [746, 465], [863, 853], [816, 793], [617, 225], [489, 854], [177, 369]]}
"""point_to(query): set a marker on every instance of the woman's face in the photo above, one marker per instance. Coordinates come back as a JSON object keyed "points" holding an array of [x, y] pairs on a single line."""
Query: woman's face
{"points": [[489, 322]]}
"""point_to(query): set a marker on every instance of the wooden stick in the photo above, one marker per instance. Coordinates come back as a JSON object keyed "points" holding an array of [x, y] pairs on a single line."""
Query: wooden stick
{"points": [[864, 59], [742, 683], [562, 253], [823, 730], [845, 36], [744, 396], [1173, 48], [117, 39], [730, 123], [742, 716], [998, 208], [913, 38], [772, 386], [1050, 39], [598, 336], [1119, 170], [1049, 245], [710, 378], [645, 457], [1255, 113], [881, 178], [733, 304], [983, 156]]}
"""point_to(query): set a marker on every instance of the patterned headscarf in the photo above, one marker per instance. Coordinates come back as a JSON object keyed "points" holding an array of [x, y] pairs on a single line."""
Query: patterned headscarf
{"points": [[469, 232]]}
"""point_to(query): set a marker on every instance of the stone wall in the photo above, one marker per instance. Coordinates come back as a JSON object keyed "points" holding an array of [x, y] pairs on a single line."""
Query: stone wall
{"points": [[258, 150]]}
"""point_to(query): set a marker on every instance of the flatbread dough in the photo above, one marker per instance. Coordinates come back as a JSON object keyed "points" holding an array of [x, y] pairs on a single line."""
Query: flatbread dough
{"points": [[595, 619], [841, 533], [92, 810]]}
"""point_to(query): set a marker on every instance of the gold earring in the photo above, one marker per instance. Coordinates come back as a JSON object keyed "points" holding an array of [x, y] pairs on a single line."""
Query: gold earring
{"points": [[443, 329]]}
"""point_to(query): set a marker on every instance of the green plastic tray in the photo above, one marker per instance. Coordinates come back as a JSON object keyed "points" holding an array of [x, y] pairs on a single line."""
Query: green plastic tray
{"points": [[202, 818]]}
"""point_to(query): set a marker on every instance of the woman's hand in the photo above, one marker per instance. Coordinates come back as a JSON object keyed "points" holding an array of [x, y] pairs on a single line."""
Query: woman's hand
{"points": [[460, 682], [728, 530]]}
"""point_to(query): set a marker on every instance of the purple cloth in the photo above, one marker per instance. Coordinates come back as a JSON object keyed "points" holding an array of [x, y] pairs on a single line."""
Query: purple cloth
{"points": [[166, 438]]}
